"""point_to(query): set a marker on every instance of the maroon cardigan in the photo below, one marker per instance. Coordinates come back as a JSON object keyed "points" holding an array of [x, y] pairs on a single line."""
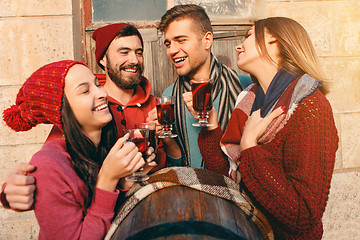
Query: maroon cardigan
{"points": [[289, 177]]}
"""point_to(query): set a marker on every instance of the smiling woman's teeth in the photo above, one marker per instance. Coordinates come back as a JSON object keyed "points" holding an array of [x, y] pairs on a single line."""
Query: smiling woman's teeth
{"points": [[101, 107], [179, 60]]}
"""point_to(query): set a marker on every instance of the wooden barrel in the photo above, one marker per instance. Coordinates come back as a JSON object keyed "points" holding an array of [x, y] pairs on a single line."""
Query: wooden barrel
{"points": [[184, 213]]}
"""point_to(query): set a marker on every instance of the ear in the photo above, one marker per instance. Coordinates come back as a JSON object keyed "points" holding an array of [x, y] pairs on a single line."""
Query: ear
{"points": [[103, 61], [208, 40], [272, 46], [270, 39]]}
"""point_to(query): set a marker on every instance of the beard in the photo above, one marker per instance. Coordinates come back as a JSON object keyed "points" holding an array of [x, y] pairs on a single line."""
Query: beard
{"points": [[122, 82]]}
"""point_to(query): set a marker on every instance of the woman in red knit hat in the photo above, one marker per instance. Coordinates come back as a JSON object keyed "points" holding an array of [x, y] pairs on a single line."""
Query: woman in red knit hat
{"points": [[77, 176], [281, 140]]}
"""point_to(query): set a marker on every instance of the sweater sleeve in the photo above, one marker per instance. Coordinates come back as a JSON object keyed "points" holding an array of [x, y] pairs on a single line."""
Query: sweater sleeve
{"points": [[97, 221], [209, 145], [59, 201], [293, 182]]}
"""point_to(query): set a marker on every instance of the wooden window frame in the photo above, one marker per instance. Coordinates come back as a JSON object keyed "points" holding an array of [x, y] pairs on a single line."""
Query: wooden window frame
{"points": [[158, 68]]}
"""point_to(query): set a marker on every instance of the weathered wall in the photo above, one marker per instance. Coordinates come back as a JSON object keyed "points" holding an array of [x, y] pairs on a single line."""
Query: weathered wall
{"points": [[34, 33]]}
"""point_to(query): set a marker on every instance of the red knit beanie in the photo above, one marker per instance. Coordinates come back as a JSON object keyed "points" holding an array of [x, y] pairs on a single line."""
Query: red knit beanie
{"points": [[40, 98], [104, 36]]}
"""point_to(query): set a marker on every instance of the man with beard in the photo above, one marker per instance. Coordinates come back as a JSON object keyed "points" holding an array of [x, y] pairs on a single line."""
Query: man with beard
{"points": [[119, 51]]}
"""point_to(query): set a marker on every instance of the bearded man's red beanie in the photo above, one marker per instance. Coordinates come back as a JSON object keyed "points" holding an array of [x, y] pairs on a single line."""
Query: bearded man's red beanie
{"points": [[104, 36]]}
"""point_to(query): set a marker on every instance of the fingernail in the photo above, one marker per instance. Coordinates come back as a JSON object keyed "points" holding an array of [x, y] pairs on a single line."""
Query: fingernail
{"points": [[283, 108]]}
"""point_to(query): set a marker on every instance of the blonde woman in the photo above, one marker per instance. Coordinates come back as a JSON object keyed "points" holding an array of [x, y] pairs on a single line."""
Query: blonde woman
{"points": [[281, 140]]}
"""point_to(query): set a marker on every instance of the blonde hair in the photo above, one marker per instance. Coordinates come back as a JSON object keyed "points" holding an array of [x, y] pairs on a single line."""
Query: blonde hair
{"points": [[297, 52]]}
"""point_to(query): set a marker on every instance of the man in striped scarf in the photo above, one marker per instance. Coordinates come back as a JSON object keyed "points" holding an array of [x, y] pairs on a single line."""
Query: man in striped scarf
{"points": [[188, 38]]}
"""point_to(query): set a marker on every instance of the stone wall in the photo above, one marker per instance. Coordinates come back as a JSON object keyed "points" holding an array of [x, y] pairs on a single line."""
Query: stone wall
{"points": [[33, 33], [38, 32]]}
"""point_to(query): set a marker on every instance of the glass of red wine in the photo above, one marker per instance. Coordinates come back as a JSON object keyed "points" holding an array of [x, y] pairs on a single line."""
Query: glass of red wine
{"points": [[152, 133], [166, 115], [202, 101], [140, 137]]}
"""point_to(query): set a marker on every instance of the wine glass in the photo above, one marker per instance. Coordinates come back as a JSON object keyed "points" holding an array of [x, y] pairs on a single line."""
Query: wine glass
{"points": [[202, 101], [140, 137], [166, 115], [152, 133]]}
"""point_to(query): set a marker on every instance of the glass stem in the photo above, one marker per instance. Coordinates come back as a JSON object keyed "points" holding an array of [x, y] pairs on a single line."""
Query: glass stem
{"points": [[203, 115]]}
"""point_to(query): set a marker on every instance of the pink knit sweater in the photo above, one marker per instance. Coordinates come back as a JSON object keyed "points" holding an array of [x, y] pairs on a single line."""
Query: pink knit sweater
{"points": [[59, 200], [289, 177]]}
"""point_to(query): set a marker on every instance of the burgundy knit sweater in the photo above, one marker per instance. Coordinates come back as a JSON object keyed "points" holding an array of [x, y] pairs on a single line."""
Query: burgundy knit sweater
{"points": [[289, 177]]}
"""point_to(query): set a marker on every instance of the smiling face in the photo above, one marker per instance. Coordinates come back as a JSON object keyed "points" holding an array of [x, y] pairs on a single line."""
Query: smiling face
{"points": [[187, 49], [87, 99], [124, 61], [250, 57], [248, 53]]}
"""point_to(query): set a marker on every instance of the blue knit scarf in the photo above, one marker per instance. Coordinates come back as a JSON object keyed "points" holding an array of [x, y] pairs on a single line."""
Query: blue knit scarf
{"points": [[277, 86]]}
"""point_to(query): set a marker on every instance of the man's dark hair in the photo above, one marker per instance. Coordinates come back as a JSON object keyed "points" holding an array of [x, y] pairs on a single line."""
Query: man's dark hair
{"points": [[129, 31], [190, 11]]}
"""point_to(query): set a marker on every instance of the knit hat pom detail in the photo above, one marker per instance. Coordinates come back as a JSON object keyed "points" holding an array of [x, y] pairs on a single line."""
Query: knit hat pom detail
{"points": [[40, 98], [13, 117]]}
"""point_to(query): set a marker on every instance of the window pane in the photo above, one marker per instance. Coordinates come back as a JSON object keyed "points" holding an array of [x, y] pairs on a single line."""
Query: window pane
{"points": [[224, 9], [127, 10]]}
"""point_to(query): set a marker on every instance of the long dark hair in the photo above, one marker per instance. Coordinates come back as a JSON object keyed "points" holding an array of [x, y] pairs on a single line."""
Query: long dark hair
{"points": [[85, 157]]}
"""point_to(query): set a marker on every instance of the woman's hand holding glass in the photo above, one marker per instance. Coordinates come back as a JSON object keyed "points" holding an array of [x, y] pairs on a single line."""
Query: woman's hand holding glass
{"points": [[188, 100], [122, 160], [149, 164]]}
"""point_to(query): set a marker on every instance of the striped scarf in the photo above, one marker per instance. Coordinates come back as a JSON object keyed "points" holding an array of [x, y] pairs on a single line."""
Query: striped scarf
{"points": [[226, 82], [300, 88]]}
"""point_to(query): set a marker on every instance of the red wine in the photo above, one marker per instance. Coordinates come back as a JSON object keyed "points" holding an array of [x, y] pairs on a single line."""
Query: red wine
{"points": [[201, 92], [140, 143], [165, 112], [152, 139]]}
